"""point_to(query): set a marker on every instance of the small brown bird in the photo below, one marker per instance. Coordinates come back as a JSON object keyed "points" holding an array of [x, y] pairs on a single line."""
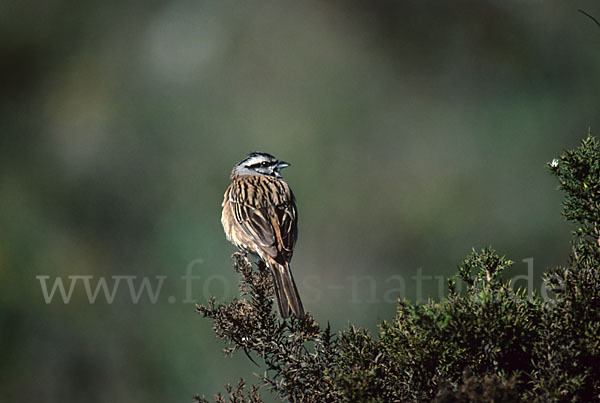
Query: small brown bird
{"points": [[260, 217]]}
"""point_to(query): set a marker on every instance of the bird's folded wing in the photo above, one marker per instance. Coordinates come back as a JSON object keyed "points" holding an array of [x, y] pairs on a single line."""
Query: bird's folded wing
{"points": [[287, 218], [274, 228]]}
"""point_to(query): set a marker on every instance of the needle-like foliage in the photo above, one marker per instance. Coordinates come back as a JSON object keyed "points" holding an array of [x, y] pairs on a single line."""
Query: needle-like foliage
{"points": [[485, 343]]}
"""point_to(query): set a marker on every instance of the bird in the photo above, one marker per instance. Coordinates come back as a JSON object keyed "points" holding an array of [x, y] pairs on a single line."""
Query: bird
{"points": [[260, 217]]}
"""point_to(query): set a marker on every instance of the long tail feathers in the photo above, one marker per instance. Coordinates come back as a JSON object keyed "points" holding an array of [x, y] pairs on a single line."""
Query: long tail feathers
{"points": [[286, 292], [282, 304]]}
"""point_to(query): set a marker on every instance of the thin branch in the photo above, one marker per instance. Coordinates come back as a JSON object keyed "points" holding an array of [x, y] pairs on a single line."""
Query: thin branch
{"points": [[590, 16]]}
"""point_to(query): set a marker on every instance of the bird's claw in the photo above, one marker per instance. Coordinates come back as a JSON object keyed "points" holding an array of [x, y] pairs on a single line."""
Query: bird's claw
{"points": [[242, 255]]}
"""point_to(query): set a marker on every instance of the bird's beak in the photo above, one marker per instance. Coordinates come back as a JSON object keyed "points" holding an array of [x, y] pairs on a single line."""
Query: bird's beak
{"points": [[283, 164]]}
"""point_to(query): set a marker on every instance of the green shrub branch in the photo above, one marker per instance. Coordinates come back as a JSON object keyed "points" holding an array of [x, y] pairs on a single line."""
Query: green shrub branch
{"points": [[488, 342]]}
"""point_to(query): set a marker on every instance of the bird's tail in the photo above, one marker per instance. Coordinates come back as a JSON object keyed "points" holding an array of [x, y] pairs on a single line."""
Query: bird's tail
{"points": [[286, 291]]}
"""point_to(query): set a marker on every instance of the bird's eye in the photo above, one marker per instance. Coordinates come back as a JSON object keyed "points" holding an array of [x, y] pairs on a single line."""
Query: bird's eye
{"points": [[264, 164]]}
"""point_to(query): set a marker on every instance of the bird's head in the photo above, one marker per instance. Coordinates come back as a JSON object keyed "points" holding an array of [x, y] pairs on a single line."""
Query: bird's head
{"points": [[257, 163]]}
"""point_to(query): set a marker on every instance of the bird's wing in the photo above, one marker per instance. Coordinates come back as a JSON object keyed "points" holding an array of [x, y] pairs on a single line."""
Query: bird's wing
{"points": [[287, 220], [274, 228], [267, 214], [256, 224]]}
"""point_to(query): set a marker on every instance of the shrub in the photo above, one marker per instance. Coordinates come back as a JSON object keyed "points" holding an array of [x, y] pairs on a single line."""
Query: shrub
{"points": [[485, 343]]}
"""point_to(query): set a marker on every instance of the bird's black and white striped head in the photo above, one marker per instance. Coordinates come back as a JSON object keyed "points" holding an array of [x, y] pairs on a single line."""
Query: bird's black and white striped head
{"points": [[257, 163]]}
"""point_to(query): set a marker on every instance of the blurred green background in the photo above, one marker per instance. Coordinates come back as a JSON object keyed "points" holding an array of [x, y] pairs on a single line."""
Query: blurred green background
{"points": [[416, 131]]}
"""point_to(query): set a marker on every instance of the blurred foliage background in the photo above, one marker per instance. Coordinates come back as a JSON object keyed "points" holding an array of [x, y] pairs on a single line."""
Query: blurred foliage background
{"points": [[416, 131]]}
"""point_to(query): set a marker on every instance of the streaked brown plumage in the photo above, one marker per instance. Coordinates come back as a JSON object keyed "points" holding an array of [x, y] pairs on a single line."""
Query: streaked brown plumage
{"points": [[260, 217]]}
